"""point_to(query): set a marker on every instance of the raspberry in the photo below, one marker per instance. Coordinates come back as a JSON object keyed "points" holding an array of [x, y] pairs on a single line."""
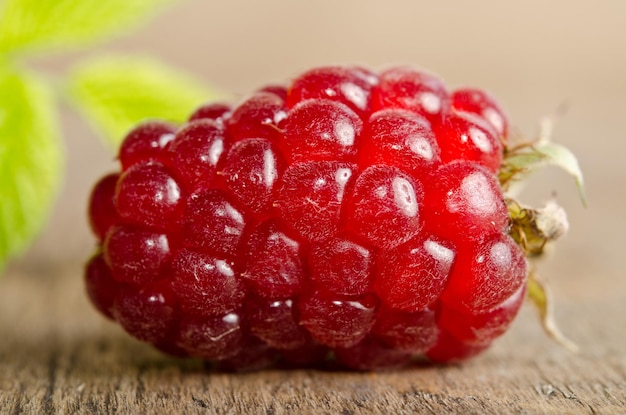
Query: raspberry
{"points": [[273, 322], [311, 196], [147, 311], [337, 322], [485, 274], [136, 255], [385, 206], [464, 201], [475, 101], [273, 266], [409, 331], [414, 90], [194, 153], [350, 86], [400, 138], [258, 117], [278, 90], [341, 266], [148, 195], [215, 111], [350, 215], [251, 170], [319, 129], [468, 138], [205, 285], [481, 328], [212, 224], [146, 142], [413, 276], [102, 212], [101, 288], [372, 354], [215, 337]]}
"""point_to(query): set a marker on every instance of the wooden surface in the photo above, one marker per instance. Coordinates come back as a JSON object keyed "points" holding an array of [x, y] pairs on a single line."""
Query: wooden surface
{"points": [[58, 356]]}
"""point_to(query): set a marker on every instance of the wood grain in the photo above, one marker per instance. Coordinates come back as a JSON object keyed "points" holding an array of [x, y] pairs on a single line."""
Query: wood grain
{"points": [[58, 356]]}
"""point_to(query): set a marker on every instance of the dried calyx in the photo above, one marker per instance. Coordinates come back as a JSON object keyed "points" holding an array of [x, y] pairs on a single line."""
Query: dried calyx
{"points": [[534, 228]]}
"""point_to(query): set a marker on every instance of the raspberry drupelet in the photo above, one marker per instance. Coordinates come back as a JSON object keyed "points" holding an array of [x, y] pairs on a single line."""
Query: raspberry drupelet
{"points": [[350, 215]]}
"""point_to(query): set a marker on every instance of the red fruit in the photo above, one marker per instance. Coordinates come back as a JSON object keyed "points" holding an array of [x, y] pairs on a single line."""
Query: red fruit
{"points": [[214, 337], [102, 212], [385, 206], [337, 322], [195, 151], [414, 331], [450, 349], [148, 195], [340, 266], [214, 111], [311, 196], [258, 117], [401, 139], [462, 136], [100, 285], [146, 142], [464, 202], [311, 354], [484, 327], [273, 267], [146, 312], [482, 104], [278, 90], [350, 86], [413, 276], [485, 275], [348, 214], [413, 90], [212, 224], [251, 171], [205, 285], [372, 354], [253, 355], [320, 129], [135, 255], [273, 322]]}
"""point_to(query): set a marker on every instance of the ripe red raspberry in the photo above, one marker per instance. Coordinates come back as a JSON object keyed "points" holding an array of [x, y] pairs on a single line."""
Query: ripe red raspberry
{"points": [[349, 214]]}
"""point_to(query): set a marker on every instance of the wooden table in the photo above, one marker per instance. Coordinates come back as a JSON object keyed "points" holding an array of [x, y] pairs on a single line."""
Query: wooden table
{"points": [[58, 356]]}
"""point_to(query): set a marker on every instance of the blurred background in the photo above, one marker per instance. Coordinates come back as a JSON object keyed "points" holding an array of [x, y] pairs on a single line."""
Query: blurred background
{"points": [[533, 55]]}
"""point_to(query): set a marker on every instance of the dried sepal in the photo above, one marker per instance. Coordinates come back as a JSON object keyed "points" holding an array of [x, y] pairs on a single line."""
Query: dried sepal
{"points": [[540, 295], [524, 160], [532, 228]]}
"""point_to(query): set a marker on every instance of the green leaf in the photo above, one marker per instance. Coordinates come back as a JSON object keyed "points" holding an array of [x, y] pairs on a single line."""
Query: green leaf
{"points": [[30, 159], [116, 93], [37, 24]]}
